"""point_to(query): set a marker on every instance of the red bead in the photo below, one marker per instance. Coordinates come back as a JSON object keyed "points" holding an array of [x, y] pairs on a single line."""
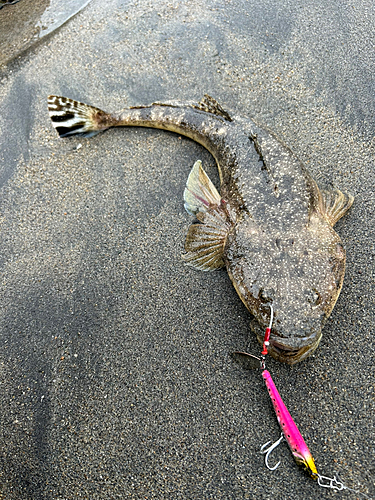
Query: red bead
{"points": [[266, 339]]}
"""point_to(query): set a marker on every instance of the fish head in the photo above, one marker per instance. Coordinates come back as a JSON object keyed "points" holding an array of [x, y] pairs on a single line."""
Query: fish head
{"points": [[298, 270]]}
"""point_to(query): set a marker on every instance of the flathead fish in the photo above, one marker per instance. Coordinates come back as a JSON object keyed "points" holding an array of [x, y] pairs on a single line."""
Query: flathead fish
{"points": [[270, 226]]}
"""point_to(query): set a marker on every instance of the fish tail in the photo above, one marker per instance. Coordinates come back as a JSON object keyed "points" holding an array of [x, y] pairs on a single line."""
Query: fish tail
{"points": [[71, 117]]}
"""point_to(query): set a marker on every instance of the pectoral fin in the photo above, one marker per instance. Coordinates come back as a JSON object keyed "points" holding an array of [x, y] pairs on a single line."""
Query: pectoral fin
{"points": [[205, 242], [200, 194], [334, 204]]}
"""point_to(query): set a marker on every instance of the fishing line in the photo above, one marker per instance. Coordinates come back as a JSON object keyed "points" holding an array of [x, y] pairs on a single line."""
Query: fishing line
{"points": [[290, 432]]}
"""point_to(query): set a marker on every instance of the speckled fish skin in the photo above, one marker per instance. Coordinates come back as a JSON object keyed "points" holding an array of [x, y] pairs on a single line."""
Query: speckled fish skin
{"points": [[279, 245]]}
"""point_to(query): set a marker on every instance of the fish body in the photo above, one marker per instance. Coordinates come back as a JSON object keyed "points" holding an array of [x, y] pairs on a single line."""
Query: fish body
{"points": [[270, 226]]}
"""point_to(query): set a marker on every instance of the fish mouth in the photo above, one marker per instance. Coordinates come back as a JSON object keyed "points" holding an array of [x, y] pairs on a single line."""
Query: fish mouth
{"points": [[289, 349], [292, 355]]}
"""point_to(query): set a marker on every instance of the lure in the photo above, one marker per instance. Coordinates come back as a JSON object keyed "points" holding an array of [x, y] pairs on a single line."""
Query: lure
{"points": [[290, 432]]}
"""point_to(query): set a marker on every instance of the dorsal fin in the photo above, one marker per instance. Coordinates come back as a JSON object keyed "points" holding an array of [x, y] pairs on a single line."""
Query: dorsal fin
{"points": [[210, 105], [334, 204]]}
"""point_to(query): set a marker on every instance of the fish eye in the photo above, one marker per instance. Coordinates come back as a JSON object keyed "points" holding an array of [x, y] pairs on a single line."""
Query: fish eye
{"points": [[267, 294], [313, 296], [340, 251]]}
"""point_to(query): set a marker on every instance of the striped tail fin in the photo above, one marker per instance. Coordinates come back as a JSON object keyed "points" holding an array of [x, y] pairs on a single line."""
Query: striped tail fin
{"points": [[75, 118]]}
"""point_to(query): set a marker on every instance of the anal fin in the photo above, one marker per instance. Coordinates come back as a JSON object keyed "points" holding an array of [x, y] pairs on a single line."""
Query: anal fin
{"points": [[334, 204]]}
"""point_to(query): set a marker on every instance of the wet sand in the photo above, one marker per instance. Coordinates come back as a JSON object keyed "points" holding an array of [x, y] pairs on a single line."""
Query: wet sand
{"points": [[115, 373]]}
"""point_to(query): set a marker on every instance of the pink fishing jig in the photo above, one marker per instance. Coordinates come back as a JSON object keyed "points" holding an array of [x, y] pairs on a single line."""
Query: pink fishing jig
{"points": [[293, 437]]}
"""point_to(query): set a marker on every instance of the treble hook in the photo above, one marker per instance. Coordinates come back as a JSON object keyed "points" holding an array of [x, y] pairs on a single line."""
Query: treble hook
{"points": [[268, 451]]}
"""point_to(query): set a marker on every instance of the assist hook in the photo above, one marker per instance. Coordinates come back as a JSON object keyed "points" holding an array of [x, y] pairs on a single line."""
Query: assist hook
{"points": [[269, 450]]}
